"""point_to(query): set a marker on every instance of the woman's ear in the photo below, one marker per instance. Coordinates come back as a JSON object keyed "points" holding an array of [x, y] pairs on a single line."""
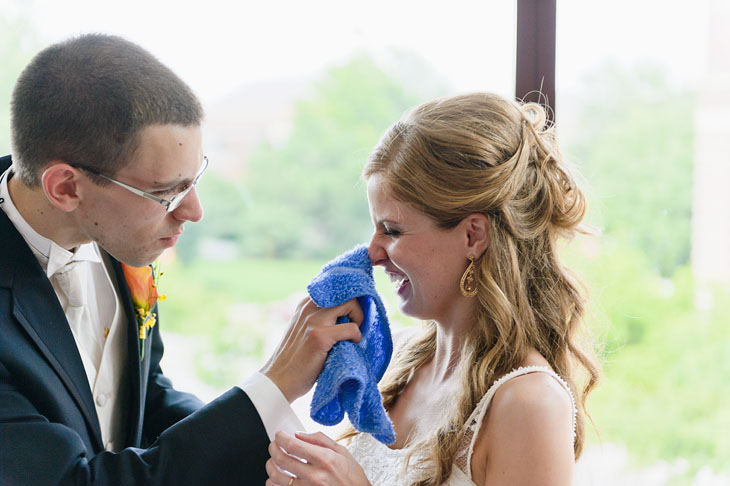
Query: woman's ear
{"points": [[59, 183], [476, 226]]}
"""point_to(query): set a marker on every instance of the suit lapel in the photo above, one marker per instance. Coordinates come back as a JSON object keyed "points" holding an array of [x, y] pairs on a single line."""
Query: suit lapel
{"points": [[36, 308], [136, 378]]}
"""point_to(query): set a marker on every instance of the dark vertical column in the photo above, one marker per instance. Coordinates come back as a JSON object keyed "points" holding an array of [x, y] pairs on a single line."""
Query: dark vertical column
{"points": [[535, 76]]}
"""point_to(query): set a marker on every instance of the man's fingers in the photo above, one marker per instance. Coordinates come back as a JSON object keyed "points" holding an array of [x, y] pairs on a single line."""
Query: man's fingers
{"points": [[356, 314], [309, 305], [298, 359], [305, 307], [311, 315], [344, 332], [351, 309]]}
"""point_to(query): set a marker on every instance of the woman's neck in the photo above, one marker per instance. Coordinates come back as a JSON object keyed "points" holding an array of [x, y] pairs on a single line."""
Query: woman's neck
{"points": [[448, 353]]}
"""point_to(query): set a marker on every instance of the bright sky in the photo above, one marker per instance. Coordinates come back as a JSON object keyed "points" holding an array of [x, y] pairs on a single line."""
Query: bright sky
{"points": [[218, 45]]}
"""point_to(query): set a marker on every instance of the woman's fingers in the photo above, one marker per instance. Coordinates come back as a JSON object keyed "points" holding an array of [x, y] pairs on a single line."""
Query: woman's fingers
{"points": [[314, 459], [321, 440], [298, 448], [276, 476], [285, 461]]}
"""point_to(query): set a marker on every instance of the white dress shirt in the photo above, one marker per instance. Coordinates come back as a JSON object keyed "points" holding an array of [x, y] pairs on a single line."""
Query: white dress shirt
{"points": [[274, 410], [101, 336]]}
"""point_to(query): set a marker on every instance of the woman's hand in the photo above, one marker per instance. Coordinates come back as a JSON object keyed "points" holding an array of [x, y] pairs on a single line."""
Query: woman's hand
{"points": [[314, 460]]}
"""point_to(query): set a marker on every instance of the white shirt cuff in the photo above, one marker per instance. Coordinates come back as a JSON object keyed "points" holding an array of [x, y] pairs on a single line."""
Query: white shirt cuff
{"points": [[272, 406]]}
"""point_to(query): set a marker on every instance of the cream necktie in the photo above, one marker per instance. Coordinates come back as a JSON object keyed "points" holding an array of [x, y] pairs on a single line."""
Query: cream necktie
{"points": [[72, 280]]}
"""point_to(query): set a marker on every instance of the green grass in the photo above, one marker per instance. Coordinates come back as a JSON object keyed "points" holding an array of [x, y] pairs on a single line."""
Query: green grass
{"points": [[199, 294], [263, 280], [208, 300]]}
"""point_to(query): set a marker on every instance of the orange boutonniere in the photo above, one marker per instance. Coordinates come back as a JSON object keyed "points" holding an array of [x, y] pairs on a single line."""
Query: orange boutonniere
{"points": [[142, 283]]}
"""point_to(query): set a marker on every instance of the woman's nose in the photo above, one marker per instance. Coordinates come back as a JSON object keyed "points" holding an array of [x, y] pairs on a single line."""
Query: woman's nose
{"points": [[376, 251]]}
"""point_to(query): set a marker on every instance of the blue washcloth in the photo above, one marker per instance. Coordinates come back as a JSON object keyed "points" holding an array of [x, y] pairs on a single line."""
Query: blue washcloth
{"points": [[349, 379]]}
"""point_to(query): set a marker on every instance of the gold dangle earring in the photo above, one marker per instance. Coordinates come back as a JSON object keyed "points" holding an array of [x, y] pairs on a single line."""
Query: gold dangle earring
{"points": [[468, 284]]}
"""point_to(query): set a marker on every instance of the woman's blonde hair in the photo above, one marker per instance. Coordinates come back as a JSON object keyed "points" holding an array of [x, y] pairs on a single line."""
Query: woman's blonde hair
{"points": [[480, 153]]}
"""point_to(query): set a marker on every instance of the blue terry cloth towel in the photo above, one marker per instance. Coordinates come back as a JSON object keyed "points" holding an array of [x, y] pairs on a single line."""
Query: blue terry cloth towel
{"points": [[351, 372]]}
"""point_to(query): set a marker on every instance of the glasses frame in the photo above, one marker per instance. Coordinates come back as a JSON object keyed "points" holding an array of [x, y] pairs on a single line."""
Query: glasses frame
{"points": [[169, 204]]}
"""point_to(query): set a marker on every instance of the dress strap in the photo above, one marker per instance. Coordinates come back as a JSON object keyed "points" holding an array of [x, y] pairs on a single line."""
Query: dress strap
{"points": [[474, 423]]}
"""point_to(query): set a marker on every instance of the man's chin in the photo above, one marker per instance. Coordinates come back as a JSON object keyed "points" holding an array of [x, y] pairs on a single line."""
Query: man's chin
{"points": [[138, 260]]}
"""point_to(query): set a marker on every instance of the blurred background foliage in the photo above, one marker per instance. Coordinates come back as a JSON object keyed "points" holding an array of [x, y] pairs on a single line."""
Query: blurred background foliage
{"points": [[300, 202], [304, 198], [635, 147], [17, 45]]}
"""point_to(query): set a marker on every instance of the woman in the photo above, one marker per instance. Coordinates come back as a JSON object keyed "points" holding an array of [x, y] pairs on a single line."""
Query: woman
{"points": [[469, 196]]}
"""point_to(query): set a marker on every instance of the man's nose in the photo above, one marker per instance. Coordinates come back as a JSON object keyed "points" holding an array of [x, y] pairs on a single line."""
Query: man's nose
{"points": [[190, 209]]}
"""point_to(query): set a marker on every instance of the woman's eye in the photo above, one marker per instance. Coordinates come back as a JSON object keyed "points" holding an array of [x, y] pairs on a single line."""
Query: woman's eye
{"points": [[391, 232]]}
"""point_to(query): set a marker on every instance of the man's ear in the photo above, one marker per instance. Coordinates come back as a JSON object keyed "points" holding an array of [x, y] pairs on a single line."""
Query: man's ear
{"points": [[59, 183], [476, 226]]}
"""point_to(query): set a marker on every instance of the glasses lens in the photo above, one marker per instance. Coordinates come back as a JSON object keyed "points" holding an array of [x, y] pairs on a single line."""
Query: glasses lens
{"points": [[176, 200]]}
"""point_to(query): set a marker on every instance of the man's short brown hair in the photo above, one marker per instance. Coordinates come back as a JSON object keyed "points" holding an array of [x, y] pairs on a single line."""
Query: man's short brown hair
{"points": [[84, 101]]}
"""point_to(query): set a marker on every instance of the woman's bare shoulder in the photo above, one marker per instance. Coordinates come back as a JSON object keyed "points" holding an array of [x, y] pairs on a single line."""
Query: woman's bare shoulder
{"points": [[528, 431], [536, 394]]}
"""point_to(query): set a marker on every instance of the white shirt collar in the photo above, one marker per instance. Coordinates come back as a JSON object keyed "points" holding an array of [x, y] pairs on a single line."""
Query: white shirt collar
{"points": [[50, 255]]}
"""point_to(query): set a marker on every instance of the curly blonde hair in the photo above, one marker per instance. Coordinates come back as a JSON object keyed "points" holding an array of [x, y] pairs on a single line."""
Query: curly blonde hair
{"points": [[480, 153]]}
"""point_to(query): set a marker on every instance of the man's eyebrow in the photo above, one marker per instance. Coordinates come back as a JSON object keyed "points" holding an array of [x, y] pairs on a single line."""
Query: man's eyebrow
{"points": [[157, 185], [179, 181]]}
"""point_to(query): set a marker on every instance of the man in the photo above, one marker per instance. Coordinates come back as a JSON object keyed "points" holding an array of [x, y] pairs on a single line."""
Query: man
{"points": [[106, 155]]}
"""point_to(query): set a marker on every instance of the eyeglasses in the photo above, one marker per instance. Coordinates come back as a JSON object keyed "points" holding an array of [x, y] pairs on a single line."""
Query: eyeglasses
{"points": [[169, 204]]}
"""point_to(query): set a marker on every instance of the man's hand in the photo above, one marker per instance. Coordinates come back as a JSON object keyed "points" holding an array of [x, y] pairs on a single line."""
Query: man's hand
{"points": [[299, 357]]}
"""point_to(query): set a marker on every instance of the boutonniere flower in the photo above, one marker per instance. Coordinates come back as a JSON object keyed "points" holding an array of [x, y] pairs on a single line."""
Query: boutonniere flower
{"points": [[142, 283]]}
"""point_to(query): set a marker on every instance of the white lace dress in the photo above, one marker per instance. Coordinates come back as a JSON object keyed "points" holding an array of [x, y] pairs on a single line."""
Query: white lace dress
{"points": [[385, 466]]}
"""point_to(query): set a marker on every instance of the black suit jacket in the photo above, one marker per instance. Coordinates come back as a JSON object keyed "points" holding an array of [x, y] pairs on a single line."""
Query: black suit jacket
{"points": [[49, 431]]}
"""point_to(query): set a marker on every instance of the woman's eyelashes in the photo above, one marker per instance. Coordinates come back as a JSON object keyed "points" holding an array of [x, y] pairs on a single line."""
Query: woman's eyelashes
{"points": [[392, 232]]}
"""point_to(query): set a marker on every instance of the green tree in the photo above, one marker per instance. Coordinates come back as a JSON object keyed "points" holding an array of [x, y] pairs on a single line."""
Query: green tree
{"points": [[665, 362], [636, 145], [307, 198], [224, 201]]}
